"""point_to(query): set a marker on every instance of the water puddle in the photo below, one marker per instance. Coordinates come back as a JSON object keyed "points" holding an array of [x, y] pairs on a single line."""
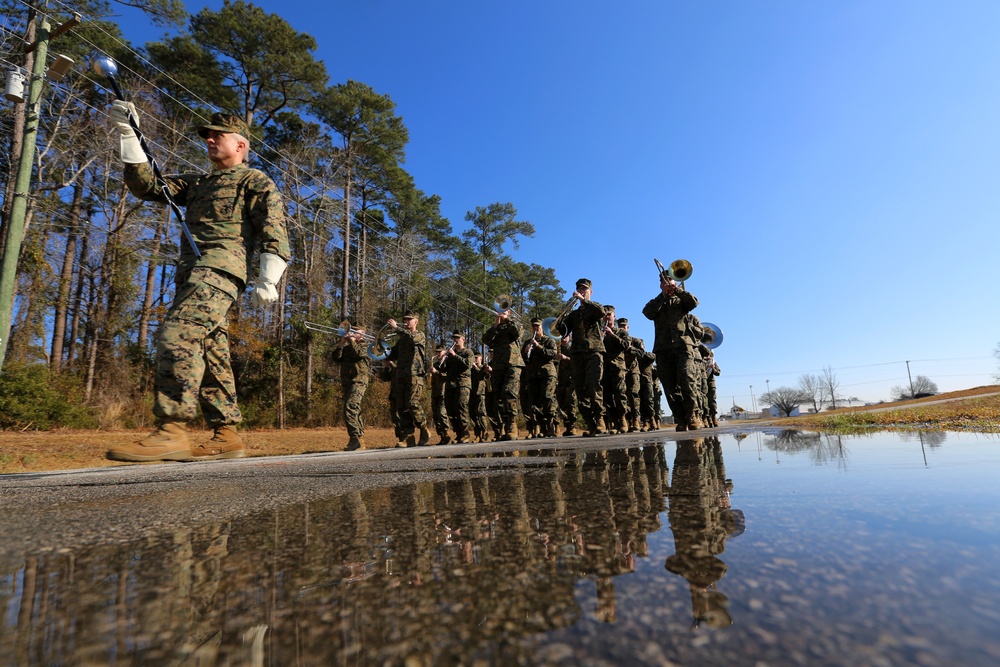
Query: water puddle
{"points": [[759, 548]]}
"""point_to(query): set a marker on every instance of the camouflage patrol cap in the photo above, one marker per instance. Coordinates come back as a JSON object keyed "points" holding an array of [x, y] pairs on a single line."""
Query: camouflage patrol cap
{"points": [[584, 283], [609, 308], [622, 321], [536, 320], [457, 334], [225, 122], [410, 315]]}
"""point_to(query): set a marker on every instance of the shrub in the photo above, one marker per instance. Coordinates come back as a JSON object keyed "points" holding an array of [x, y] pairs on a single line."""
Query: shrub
{"points": [[29, 399]]}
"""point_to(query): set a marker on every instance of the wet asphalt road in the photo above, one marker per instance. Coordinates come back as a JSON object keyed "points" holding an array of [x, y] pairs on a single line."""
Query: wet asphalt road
{"points": [[63, 509]]}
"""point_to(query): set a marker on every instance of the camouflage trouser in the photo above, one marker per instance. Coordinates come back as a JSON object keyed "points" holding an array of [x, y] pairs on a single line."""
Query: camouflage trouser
{"points": [[439, 405], [588, 369], [192, 352], [679, 377], [614, 394], [409, 403], [632, 389], [539, 401], [647, 392], [566, 399], [477, 414], [713, 402], [354, 392], [506, 384], [457, 400]]}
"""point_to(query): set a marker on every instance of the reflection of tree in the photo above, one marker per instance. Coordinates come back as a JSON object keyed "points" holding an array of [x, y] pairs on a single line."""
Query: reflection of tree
{"points": [[701, 519], [789, 441], [435, 573], [927, 438]]}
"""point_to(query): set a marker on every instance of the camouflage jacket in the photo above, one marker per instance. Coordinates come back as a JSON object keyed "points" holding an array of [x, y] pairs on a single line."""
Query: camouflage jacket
{"points": [[478, 380], [458, 367], [541, 361], [667, 313], [586, 324], [229, 212], [616, 343], [636, 349], [354, 361], [504, 341], [409, 353]]}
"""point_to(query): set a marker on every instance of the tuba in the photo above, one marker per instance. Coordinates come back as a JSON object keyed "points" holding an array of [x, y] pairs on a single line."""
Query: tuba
{"points": [[717, 341]]}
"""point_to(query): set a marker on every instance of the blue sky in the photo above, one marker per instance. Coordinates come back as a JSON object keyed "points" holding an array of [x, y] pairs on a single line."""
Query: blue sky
{"points": [[829, 168]]}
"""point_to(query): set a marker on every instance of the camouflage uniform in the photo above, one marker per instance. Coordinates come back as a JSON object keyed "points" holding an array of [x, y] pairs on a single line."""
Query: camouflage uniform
{"points": [[585, 324], [565, 395], [711, 372], [633, 382], [616, 342], [230, 213], [458, 369], [675, 353], [355, 373], [411, 366], [539, 407], [647, 389], [439, 411], [477, 402], [504, 340]]}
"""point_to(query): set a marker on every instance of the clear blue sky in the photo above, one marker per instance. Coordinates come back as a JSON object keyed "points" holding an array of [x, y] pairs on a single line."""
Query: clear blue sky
{"points": [[829, 168]]}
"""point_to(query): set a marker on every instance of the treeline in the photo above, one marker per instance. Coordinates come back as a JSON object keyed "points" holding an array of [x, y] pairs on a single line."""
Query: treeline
{"points": [[96, 269]]}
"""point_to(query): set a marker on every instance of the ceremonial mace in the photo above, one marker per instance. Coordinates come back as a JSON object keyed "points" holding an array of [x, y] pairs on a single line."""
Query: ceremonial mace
{"points": [[105, 66]]}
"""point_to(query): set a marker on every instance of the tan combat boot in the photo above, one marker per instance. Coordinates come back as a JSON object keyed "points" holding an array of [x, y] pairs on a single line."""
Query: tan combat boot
{"points": [[169, 442], [225, 444], [354, 444]]}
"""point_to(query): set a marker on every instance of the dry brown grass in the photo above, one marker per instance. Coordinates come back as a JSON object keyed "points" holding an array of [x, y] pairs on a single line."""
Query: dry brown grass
{"points": [[37, 451]]}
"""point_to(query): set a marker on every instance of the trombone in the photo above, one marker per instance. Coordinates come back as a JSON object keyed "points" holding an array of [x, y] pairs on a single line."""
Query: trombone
{"points": [[502, 304], [679, 270], [344, 329]]}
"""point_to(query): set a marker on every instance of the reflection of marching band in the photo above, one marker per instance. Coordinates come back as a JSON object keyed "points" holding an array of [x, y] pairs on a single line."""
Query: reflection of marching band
{"points": [[581, 361]]}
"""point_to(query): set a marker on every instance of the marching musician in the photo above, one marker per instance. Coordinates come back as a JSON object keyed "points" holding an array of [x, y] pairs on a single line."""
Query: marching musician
{"points": [[539, 396], [411, 367], [675, 352], [232, 212], [633, 352], [615, 346], [457, 364], [586, 325], [477, 399], [439, 410], [355, 372], [565, 394], [504, 341]]}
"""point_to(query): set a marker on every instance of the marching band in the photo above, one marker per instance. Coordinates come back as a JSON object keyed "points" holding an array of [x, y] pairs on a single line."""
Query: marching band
{"points": [[580, 367]]}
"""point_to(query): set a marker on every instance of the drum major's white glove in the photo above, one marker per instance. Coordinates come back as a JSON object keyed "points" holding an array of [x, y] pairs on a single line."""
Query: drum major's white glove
{"points": [[131, 149], [265, 291]]}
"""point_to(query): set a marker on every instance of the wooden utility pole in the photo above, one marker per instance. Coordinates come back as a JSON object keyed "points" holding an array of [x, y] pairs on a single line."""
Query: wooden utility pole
{"points": [[14, 230]]}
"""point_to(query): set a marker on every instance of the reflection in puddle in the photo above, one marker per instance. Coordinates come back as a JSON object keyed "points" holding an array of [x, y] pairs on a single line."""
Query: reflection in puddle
{"points": [[839, 555]]}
